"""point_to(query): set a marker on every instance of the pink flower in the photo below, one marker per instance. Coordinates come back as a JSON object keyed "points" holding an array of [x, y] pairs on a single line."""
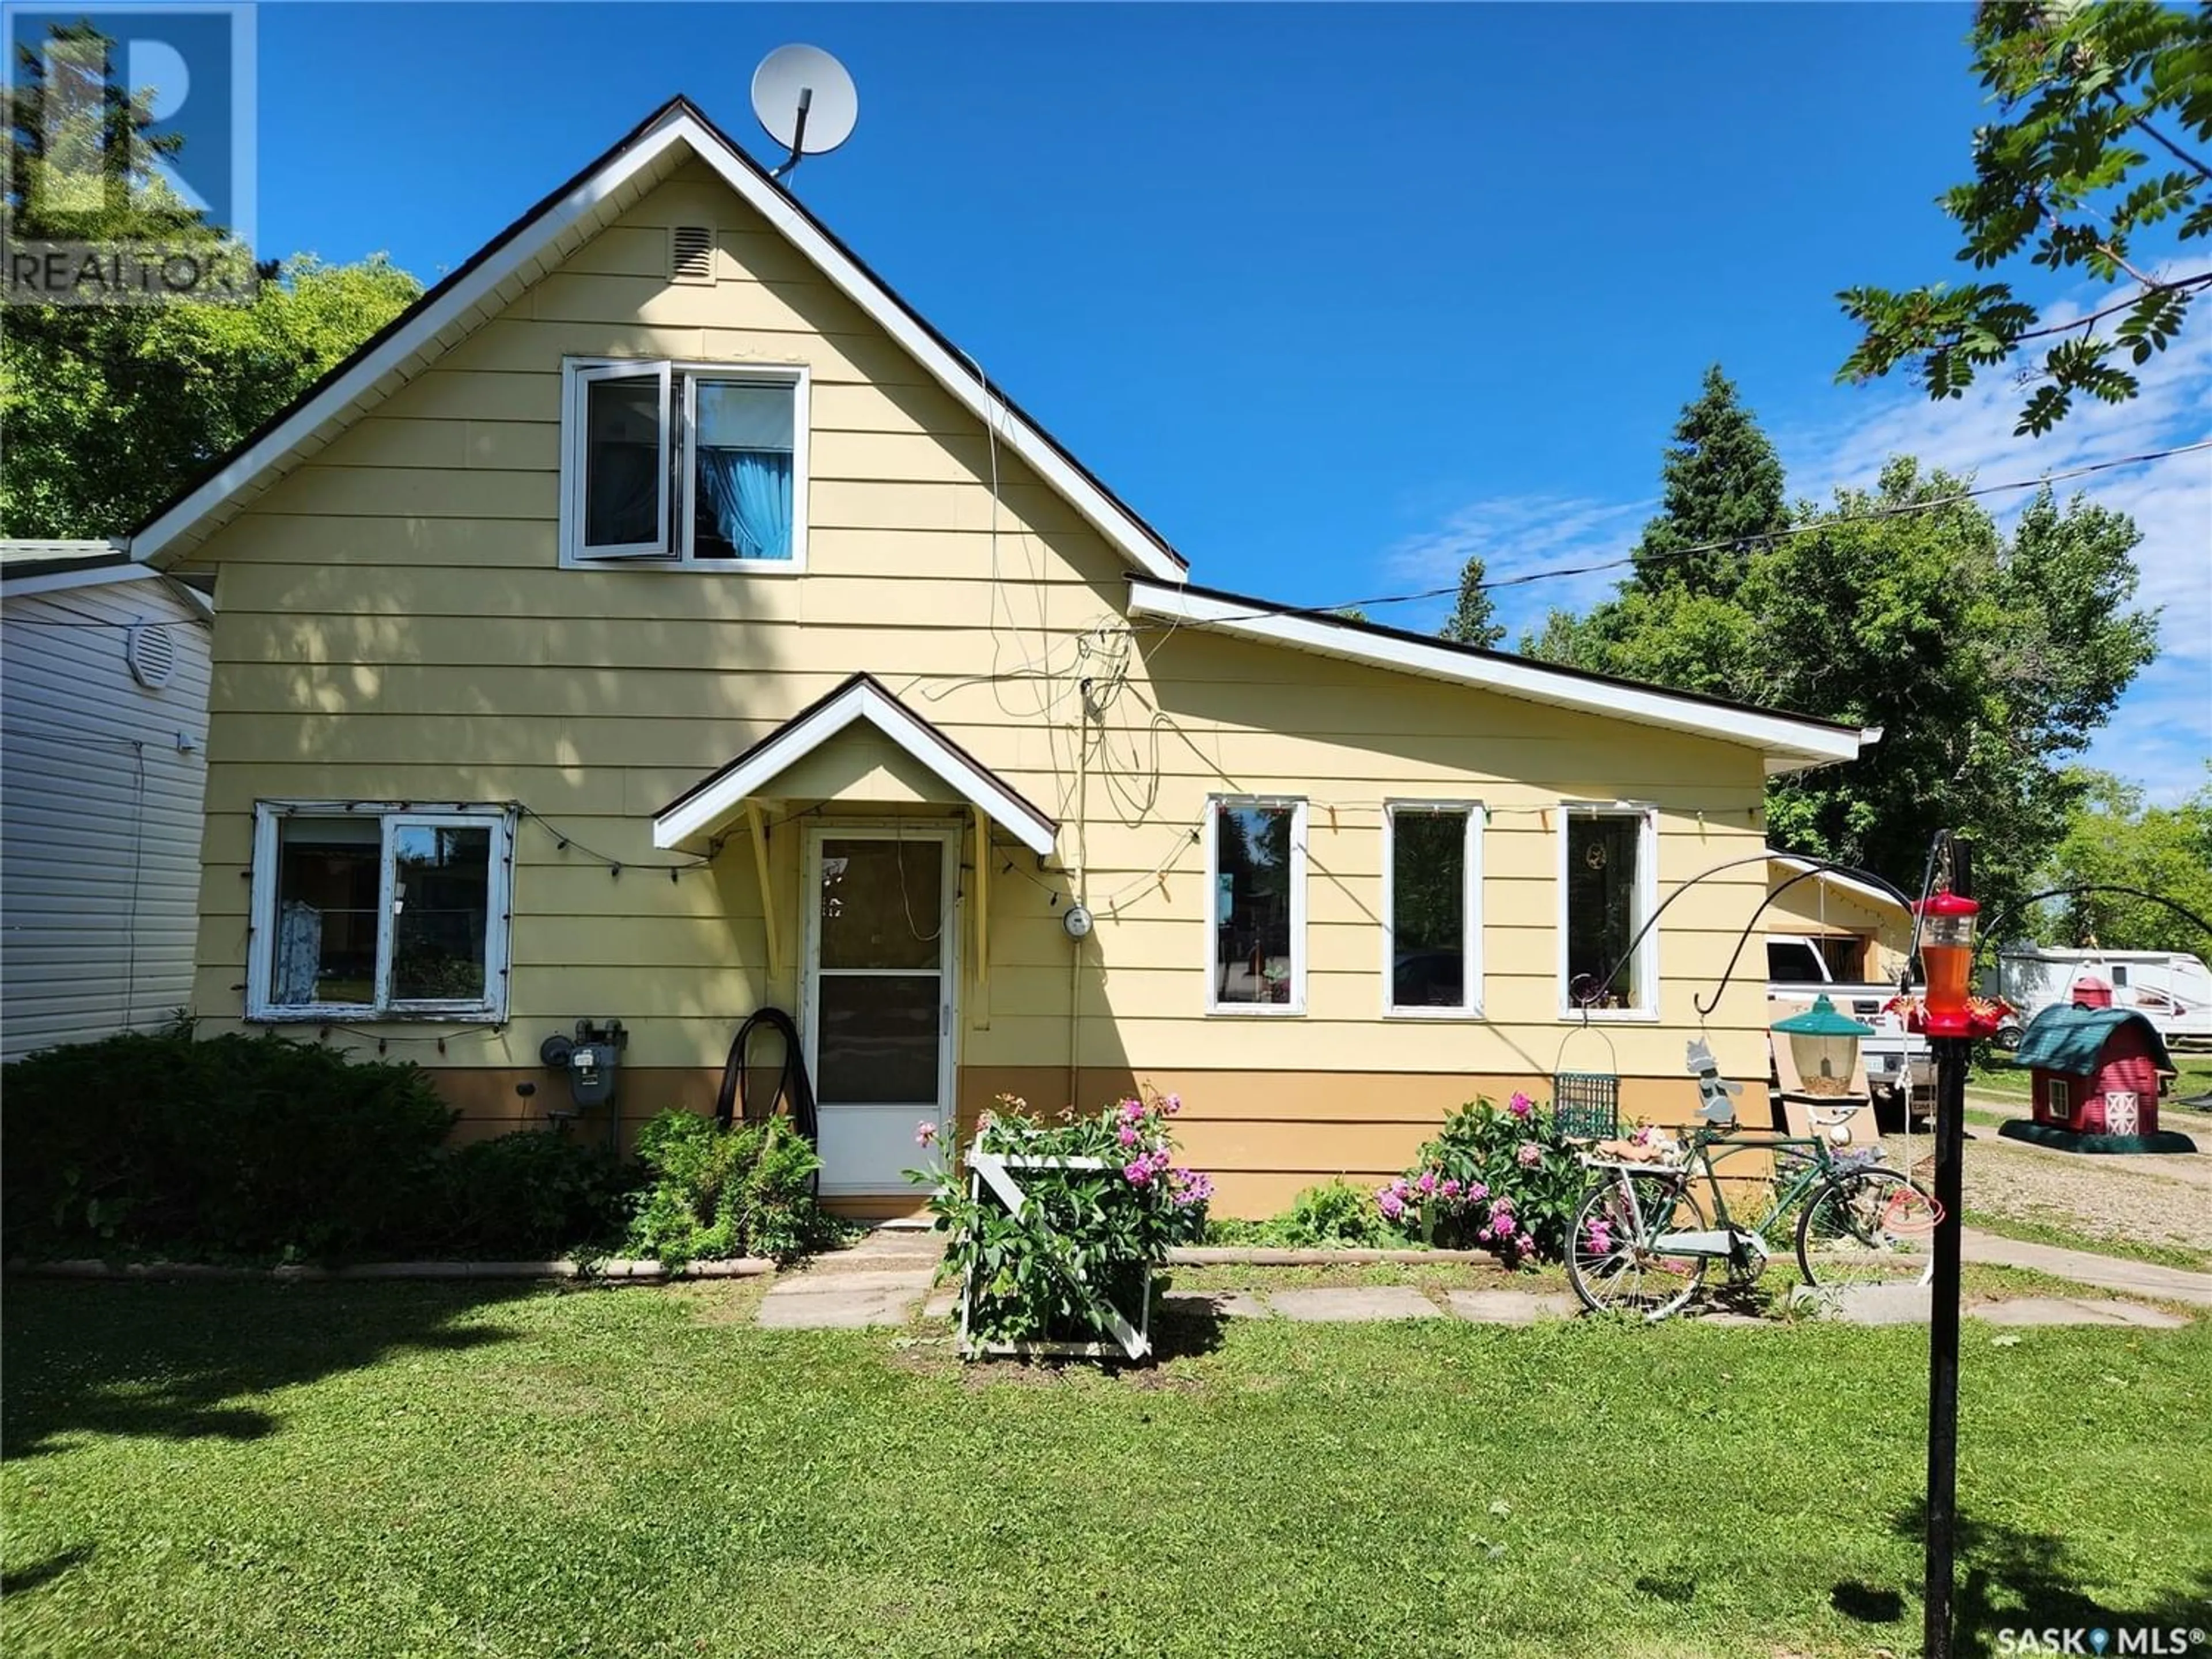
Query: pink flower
{"points": [[1529, 1155], [1477, 1191], [1390, 1204], [1127, 1135], [1450, 1186], [1527, 1244], [1133, 1110], [1138, 1174], [925, 1133], [1428, 1182], [1172, 1105], [1520, 1105]]}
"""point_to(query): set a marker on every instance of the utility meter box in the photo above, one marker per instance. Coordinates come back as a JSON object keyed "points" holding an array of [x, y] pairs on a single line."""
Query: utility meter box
{"points": [[590, 1059]]}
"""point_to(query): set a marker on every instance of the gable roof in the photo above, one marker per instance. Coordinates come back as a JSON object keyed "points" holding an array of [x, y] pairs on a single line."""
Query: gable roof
{"points": [[716, 797], [492, 278], [1867, 891], [2069, 1039], [1790, 743]]}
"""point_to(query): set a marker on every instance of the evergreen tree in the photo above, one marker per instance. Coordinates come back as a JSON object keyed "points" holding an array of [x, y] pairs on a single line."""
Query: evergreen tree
{"points": [[1474, 620], [1722, 482]]}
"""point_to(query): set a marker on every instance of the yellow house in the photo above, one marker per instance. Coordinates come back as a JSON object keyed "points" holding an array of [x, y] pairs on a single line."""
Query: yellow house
{"points": [[661, 621]]}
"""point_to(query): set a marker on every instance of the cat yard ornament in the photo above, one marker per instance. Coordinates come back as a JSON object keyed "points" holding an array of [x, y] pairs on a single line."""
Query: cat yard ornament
{"points": [[1716, 1103]]}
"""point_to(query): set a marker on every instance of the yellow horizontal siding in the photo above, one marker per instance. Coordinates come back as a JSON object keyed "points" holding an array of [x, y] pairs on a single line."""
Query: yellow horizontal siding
{"points": [[394, 625]]}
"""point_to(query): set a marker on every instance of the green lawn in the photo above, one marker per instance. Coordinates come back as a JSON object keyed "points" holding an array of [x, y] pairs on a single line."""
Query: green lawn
{"points": [[434, 1470]]}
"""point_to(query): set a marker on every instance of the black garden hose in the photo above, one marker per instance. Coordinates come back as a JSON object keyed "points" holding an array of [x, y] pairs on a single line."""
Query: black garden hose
{"points": [[792, 1084]]}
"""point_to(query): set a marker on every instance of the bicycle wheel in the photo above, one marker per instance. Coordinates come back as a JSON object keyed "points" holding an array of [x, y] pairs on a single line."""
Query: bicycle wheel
{"points": [[1866, 1227], [1614, 1258]]}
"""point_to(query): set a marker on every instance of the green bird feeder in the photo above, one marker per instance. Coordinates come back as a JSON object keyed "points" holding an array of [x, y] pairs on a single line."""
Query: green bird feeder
{"points": [[1824, 1044]]}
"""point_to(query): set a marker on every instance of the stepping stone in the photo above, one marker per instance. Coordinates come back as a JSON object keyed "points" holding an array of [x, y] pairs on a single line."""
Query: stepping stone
{"points": [[1868, 1305], [810, 1281], [2076, 1310], [944, 1305], [1512, 1307], [835, 1309], [1362, 1305], [1214, 1304]]}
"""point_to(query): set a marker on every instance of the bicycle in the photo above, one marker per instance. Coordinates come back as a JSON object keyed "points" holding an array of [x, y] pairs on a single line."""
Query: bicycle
{"points": [[1861, 1225]]}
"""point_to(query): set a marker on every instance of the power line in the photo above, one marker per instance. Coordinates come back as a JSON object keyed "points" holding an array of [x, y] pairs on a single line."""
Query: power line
{"points": [[1735, 544]]}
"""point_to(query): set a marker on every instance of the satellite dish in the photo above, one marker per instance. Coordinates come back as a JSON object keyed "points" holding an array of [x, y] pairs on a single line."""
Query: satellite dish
{"points": [[805, 101]]}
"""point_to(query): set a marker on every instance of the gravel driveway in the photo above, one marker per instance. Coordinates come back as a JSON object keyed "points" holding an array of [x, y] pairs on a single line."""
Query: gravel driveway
{"points": [[2164, 1198]]}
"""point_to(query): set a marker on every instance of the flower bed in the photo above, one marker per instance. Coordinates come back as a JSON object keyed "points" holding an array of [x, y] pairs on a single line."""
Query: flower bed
{"points": [[1496, 1178], [1056, 1230]]}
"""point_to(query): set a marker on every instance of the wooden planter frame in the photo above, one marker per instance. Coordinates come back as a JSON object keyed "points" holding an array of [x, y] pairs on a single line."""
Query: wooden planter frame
{"points": [[994, 1173]]}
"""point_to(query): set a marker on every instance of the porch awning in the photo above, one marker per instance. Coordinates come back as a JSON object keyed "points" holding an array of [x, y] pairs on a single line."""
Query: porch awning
{"points": [[717, 798]]}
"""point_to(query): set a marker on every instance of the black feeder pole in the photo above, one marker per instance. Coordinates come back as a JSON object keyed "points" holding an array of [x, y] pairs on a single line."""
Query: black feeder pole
{"points": [[1952, 1052]]}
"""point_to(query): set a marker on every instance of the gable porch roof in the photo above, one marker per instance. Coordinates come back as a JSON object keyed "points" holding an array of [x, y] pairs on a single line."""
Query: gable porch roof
{"points": [[720, 797]]}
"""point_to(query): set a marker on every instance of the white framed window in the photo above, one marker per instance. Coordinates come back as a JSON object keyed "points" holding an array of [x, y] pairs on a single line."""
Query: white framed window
{"points": [[2059, 1098], [683, 465], [1609, 891], [368, 911], [1432, 909], [1256, 887]]}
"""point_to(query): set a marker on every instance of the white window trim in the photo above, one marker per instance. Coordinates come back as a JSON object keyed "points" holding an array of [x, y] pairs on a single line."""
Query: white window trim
{"points": [[1297, 1005], [1647, 903], [1470, 1006], [577, 373], [2058, 1098], [389, 815]]}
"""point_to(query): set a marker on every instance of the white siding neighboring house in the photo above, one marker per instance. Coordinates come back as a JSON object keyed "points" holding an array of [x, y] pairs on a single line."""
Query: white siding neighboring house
{"points": [[103, 764]]}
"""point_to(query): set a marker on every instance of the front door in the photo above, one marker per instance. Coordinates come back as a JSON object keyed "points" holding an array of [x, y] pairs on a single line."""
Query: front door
{"points": [[878, 997]]}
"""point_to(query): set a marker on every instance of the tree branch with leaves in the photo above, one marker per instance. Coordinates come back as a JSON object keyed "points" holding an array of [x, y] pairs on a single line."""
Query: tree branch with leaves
{"points": [[2063, 177]]}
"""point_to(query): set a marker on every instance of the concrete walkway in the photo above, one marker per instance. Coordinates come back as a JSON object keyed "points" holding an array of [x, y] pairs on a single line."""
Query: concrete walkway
{"points": [[2106, 1271], [880, 1282]]}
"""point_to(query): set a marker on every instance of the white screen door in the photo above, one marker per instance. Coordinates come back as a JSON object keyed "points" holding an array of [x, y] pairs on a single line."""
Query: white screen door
{"points": [[880, 981]]}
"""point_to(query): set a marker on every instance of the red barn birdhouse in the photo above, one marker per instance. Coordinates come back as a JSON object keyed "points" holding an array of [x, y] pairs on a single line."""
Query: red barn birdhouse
{"points": [[2095, 1074]]}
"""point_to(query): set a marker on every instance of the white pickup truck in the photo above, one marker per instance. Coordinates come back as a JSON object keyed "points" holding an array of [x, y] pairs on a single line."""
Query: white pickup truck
{"points": [[1898, 1063]]}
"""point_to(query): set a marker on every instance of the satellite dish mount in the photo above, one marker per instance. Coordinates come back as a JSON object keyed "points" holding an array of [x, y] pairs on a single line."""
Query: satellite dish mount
{"points": [[805, 101]]}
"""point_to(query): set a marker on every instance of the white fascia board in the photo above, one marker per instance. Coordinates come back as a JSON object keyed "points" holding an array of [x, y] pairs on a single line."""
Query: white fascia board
{"points": [[727, 795], [679, 127], [1794, 744], [54, 581], [1873, 895], [337, 399]]}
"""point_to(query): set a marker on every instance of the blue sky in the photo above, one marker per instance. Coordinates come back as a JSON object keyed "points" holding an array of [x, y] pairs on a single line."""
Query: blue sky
{"points": [[1333, 296]]}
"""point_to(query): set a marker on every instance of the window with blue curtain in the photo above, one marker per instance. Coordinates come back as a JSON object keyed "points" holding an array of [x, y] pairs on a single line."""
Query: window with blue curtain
{"points": [[741, 459]]}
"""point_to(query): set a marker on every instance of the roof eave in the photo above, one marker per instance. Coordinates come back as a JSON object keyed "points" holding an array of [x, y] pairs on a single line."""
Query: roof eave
{"points": [[1790, 743]]}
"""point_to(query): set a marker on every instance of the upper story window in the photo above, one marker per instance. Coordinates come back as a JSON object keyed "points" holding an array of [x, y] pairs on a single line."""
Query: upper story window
{"points": [[1255, 857], [1432, 929], [379, 913], [672, 465], [1609, 890]]}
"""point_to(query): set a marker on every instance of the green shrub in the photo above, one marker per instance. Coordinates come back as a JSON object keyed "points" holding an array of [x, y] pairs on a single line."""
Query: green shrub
{"points": [[526, 1195], [1088, 1237], [711, 1193], [238, 1145], [1334, 1215], [1501, 1180]]}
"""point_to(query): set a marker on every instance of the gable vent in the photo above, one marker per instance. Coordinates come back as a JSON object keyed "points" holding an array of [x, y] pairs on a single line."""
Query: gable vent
{"points": [[691, 253], [151, 655]]}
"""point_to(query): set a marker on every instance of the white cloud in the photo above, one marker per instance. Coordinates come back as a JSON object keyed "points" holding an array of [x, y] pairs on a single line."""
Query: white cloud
{"points": [[1517, 535]]}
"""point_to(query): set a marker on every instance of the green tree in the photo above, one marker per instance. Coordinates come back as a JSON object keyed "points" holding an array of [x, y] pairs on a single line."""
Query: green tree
{"points": [[108, 409], [1473, 620], [2113, 839], [1721, 483], [1675, 622], [2103, 114]]}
